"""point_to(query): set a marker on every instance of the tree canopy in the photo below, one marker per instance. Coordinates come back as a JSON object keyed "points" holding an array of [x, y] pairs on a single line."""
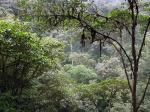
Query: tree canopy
{"points": [[75, 56]]}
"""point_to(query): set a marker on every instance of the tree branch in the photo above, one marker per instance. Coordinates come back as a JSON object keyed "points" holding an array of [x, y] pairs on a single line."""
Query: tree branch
{"points": [[143, 96], [124, 66], [107, 18], [143, 42], [107, 37]]}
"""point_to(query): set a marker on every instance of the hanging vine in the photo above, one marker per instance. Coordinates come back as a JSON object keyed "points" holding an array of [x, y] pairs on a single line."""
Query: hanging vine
{"points": [[83, 37], [93, 35]]}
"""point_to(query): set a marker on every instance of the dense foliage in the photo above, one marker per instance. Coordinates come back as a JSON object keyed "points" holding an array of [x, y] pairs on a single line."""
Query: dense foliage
{"points": [[74, 56]]}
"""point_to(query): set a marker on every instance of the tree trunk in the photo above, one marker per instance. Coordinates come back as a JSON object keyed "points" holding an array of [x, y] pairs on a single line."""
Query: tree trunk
{"points": [[134, 97]]}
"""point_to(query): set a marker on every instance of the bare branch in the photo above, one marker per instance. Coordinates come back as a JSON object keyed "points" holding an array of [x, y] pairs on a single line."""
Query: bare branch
{"points": [[124, 65], [143, 42], [143, 96]]}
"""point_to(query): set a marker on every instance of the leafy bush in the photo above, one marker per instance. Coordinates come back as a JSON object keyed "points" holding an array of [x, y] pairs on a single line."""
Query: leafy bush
{"points": [[81, 74]]}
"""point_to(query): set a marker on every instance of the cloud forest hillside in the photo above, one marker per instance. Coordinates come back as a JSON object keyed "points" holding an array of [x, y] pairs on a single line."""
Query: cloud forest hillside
{"points": [[75, 56]]}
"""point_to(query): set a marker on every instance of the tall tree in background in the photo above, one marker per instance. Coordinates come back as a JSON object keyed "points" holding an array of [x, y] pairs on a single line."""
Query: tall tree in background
{"points": [[102, 29]]}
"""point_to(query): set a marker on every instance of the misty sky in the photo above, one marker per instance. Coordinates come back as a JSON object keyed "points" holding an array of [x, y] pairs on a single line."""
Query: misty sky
{"points": [[107, 5]]}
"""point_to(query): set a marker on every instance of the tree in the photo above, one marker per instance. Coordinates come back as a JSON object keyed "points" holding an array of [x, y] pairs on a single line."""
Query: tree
{"points": [[81, 74], [109, 68], [82, 59], [24, 56], [102, 95], [53, 93], [77, 12]]}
